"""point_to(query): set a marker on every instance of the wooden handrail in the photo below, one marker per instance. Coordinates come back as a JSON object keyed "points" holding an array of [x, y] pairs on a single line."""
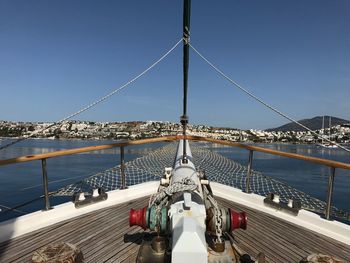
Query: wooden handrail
{"points": [[29, 158], [327, 162]]}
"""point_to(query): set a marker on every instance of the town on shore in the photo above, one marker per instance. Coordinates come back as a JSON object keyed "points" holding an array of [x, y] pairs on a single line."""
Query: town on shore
{"points": [[148, 129]]}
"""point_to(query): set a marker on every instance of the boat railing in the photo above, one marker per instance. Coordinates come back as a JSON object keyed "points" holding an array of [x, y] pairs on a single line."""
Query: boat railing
{"points": [[122, 144]]}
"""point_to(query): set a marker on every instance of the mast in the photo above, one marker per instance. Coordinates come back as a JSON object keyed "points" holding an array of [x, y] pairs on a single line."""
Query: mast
{"points": [[186, 40], [322, 128]]}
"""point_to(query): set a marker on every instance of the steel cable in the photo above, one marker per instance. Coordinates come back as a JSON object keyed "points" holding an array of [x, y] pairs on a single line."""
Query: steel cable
{"points": [[250, 94], [97, 101]]}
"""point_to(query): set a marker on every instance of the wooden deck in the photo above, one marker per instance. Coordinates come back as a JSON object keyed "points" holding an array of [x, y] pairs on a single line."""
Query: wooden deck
{"points": [[104, 236]]}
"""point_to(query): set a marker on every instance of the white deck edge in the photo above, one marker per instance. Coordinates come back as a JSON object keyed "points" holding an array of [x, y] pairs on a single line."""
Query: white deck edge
{"points": [[27, 223], [306, 219]]}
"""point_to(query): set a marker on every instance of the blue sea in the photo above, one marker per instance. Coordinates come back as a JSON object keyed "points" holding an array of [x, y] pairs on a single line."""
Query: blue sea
{"points": [[20, 183]]}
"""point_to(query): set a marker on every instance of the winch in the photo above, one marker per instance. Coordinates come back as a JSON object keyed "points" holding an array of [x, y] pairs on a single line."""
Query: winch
{"points": [[187, 222]]}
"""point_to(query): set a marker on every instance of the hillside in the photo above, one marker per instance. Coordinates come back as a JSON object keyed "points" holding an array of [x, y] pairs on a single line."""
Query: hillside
{"points": [[314, 124]]}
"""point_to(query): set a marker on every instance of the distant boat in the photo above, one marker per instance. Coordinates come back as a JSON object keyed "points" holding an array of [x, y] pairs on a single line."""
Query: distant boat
{"points": [[327, 145]]}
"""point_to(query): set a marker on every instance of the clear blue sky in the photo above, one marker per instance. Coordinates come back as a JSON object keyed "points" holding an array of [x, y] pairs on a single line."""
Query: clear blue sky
{"points": [[58, 56]]}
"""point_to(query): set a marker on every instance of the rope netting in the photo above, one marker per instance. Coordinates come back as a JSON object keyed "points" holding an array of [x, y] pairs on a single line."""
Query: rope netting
{"points": [[144, 169], [217, 168]]}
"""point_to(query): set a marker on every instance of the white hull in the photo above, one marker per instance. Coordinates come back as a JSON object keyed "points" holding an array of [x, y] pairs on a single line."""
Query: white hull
{"points": [[37, 220], [328, 146]]}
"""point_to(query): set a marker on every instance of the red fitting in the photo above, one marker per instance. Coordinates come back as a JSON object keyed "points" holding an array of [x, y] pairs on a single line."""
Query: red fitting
{"points": [[138, 217], [238, 220]]}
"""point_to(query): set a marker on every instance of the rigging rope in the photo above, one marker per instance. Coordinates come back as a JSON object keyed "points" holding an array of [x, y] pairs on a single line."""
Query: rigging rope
{"points": [[186, 184], [263, 102], [97, 101]]}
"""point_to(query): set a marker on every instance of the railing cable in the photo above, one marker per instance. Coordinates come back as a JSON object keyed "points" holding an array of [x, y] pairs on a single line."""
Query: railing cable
{"points": [[15, 208], [263, 102], [10, 209], [97, 101]]}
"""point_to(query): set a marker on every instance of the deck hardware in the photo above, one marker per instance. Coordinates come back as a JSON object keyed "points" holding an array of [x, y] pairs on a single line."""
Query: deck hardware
{"points": [[290, 202], [122, 168], [237, 220], [159, 244], [187, 201], [82, 199], [95, 193], [249, 171], [204, 182], [330, 194], [201, 174], [164, 181], [150, 217], [276, 198], [46, 185], [230, 220], [81, 196], [167, 172], [274, 201], [154, 248]]}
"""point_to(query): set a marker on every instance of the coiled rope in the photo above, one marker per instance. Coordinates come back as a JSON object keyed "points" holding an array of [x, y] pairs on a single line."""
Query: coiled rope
{"points": [[250, 94], [186, 184], [98, 100]]}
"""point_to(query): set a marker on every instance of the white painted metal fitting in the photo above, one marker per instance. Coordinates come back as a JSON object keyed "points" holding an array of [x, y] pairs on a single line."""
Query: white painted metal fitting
{"points": [[95, 193], [205, 182], [168, 171], [164, 181], [187, 201], [81, 196], [276, 198]]}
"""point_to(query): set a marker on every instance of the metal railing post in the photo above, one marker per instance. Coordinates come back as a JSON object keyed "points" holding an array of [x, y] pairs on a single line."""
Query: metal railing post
{"points": [[46, 185], [122, 167], [249, 172], [330, 193]]}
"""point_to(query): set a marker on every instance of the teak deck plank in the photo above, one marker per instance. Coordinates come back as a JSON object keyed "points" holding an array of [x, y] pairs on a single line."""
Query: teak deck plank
{"points": [[102, 234], [72, 230], [297, 241]]}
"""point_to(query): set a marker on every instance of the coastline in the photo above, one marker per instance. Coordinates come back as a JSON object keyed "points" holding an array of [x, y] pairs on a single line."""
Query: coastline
{"points": [[116, 140], [86, 130]]}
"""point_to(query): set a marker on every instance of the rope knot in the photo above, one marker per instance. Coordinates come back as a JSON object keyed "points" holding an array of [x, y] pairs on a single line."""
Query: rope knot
{"points": [[186, 38]]}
